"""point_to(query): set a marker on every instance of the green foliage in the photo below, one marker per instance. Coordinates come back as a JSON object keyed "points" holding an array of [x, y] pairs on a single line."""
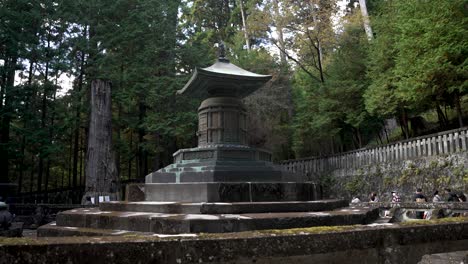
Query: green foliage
{"points": [[322, 115], [418, 59], [330, 92]]}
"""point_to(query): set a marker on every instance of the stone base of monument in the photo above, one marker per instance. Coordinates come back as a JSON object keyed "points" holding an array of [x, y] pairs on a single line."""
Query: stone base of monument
{"points": [[227, 192], [114, 218], [212, 189], [222, 163]]}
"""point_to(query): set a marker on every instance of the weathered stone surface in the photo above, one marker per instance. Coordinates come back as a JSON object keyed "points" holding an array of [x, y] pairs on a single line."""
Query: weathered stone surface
{"points": [[415, 205], [402, 244], [15, 230], [429, 173], [223, 208], [457, 257], [232, 192], [53, 230], [222, 163], [271, 207], [135, 192], [171, 223], [35, 215]]}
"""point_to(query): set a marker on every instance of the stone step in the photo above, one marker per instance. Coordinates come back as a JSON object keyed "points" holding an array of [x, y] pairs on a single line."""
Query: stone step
{"points": [[220, 168], [222, 175], [224, 208], [53, 230], [192, 175], [455, 257], [210, 223], [232, 192], [152, 207], [219, 163]]}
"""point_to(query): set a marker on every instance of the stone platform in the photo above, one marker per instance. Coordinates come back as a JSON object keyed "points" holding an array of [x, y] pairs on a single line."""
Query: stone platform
{"points": [[174, 218], [376, 244], [232, 191], [222, 163]]}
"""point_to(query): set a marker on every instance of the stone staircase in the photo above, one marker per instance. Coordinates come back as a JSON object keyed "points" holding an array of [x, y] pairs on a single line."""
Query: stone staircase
{"points": [[120, 218]]}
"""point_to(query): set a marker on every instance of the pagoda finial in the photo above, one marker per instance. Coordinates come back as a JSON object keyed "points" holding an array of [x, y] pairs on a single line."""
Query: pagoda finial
{"points": [[222, 52]]}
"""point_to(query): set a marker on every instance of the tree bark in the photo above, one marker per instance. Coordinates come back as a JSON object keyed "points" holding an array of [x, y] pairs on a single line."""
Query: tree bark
{"points": [[244, 25], [23, 137], [142, 153], [6, 113], [459, 109], [76, 135], [279, 32], [441, 116], [365, 19], [101, 172], [404, 123]]}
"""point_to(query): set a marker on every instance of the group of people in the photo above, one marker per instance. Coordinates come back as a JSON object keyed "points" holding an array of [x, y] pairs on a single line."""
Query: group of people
{"points": [[437, 198], [419, 197]]}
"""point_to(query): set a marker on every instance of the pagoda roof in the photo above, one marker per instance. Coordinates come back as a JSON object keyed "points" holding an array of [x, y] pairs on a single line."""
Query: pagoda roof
{"points": [[224, 77]]}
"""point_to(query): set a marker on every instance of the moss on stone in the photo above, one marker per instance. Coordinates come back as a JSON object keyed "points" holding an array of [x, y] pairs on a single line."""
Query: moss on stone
{"points": [[435, 221], [312, 230], [18, 241]]}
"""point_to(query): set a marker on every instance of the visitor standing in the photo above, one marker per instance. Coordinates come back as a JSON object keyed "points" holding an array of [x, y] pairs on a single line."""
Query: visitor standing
{"points": [[461, 197], [373, 198], [355, 200], [437, 198], [5, 217], [452, 196], [419, 196], [395, 197]]}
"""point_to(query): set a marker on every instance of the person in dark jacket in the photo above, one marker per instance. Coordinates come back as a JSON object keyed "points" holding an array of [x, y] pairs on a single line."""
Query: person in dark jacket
{"points": [[452, 196], [461, 197], [419, 198], [5, 217], [373, 198]]}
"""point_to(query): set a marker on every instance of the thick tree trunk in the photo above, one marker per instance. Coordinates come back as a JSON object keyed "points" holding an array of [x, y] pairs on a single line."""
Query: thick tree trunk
{"points": [[279, 32], [441, 116], [23, 137], [76, 136], [404, 124], [43, 125], [142, 153], [459, 109], [365, 19], [244, 25], [319, 57], [31, 181], [101, 172], [6, 116], [385, 130]]}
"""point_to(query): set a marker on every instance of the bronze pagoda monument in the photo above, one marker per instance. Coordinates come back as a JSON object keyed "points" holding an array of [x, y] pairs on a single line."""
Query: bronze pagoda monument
{"points": [[223, 168], [222, 185]]}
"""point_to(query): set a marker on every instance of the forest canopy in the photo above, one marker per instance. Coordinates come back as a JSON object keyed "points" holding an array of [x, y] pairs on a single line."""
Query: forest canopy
{"points": [[342, 78]]}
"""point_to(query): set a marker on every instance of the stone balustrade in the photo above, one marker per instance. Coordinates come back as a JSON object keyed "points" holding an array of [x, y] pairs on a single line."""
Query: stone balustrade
{"points": [[446, 142]]}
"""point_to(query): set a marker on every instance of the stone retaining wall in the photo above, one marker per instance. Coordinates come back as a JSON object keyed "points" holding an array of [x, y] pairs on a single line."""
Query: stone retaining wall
{"points": [[433, 162], [429, 173], [346, 244], [443, 143], [34, 215]]}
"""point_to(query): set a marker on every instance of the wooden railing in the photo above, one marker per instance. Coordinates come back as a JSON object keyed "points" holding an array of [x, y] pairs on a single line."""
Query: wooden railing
{"points": [[446, 142]]}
